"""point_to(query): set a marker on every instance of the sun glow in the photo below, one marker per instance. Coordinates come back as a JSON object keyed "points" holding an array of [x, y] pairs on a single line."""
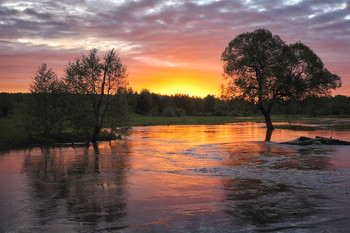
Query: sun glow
{"points": [[175, 80], [182, 87], [179, 89]]}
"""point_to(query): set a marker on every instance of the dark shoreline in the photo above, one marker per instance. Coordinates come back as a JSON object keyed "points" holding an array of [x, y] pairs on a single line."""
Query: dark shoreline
{"points": [[19, 140]]}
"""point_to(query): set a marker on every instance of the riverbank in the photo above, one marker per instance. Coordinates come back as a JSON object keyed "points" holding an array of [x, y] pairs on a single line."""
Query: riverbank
{"points": [[13, 135]]}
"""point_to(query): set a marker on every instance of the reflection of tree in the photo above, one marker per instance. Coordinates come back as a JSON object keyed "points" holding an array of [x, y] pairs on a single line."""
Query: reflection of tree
{"points": [[281, 187], [87, 184]]}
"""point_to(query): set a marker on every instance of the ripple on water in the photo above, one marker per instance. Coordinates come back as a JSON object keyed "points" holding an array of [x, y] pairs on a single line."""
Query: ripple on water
{"points": [[179, 179]]}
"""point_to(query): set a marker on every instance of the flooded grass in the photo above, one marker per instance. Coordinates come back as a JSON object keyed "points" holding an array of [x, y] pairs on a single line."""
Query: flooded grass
{"points": [[298, 127], [13, 134], [313, 128]]}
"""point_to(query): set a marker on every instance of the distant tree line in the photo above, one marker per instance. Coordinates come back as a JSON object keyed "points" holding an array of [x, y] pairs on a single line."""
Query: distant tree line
{"points": [[150, 104], [6, 104]]}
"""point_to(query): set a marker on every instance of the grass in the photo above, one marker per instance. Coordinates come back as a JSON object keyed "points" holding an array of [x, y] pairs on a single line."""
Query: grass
{"points": [[185, 120], [13, 135], [140, 120], [298, 127], [340, 127], [313, 128]]}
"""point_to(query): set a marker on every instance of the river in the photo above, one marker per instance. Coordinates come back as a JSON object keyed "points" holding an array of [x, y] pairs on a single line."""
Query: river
{"points": [[201, 178]]}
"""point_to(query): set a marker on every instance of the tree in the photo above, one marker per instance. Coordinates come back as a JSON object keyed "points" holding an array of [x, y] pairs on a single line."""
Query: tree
{"points": [[6, 104], [145, 102], [263, 69], [92, 84], [47, 108], [209, 103]]}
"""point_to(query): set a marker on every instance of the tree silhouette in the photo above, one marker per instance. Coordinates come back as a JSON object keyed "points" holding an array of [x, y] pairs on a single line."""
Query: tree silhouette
{"points": [[46, 107], [6, 104], [92, 84], [263, 69]]}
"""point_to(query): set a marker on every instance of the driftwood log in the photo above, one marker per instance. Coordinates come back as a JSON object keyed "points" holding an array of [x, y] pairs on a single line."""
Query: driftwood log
{"points": [[317, 141]]}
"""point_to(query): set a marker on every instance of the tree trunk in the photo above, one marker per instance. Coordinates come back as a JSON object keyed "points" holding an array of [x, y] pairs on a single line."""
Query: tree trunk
{"points": [[268, 121], [95, 133], [266, 114], [268, 135]]}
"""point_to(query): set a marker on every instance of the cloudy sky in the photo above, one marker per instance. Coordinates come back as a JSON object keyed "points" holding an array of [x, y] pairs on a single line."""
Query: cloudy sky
{"points": [[169, 46]]}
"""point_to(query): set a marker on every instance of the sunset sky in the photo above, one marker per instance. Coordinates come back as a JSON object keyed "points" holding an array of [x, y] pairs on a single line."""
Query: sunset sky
{"points": [[168, 46]]}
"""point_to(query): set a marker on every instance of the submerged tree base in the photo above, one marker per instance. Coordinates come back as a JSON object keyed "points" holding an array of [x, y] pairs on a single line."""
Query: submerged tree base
{"points": [[268, 135]]}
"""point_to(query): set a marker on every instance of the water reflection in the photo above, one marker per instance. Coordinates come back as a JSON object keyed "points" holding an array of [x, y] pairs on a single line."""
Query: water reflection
{"points": [[69, 181], [205, 178]]}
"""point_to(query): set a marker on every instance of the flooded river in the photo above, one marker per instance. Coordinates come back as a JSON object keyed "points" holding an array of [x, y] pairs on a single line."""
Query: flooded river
{"points": [[205, 178]]}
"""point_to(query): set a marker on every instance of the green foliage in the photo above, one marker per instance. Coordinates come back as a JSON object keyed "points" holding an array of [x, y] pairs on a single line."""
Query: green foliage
{"points": [[13, 135], [6, 104], [169, 112], [209, 103], [90, 96], [263, 69], [186, 103], [46, 106], [144, 102], [312, 128], [173, 112], [92, 85], [298, 127], [140, 120], [180, 112], [118, 114]]}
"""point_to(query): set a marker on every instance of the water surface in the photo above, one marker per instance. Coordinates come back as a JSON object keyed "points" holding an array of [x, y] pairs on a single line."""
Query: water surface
{"points": [[206, 178]]}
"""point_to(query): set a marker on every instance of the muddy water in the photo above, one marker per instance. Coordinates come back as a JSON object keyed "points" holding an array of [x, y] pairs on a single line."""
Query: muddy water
{"points": [[221, 178]]}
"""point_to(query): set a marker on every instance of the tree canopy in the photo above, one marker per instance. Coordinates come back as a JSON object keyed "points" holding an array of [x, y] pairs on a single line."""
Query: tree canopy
{"points": [[88, 97], [93, 83], [47, 112], [263, 69]]}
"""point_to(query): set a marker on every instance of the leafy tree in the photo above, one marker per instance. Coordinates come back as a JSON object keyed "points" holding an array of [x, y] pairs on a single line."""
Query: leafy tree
{"points": [[145, 102], [209, 103], [47, 108], [184, 102], [6, 104], [118, 113], [131, 97], [92, 84], [263, 69], [169, 111]]}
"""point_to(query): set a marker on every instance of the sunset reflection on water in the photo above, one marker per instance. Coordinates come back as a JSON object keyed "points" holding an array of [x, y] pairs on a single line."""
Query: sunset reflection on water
{"points": [[201, 178]]}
